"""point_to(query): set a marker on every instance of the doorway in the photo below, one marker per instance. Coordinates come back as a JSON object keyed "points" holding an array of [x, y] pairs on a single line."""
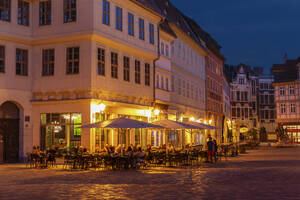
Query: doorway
{"points": [[9, 131]]}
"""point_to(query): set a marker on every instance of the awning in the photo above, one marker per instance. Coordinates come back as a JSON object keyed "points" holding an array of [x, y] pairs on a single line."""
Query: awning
{"points": [[202, 126]]}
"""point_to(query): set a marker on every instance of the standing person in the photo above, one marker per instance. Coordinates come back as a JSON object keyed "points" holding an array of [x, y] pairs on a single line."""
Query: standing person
{"points": [[210, 149], [215, 149]]}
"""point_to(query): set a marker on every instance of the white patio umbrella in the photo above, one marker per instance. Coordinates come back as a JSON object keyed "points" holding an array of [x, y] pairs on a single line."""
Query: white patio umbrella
{"points": [[122, 123], [202, 126], [170, 124]]}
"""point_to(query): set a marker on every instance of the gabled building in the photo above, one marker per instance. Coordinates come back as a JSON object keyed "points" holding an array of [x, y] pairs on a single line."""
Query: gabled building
{"points": [[287, 97], [244, 91]]}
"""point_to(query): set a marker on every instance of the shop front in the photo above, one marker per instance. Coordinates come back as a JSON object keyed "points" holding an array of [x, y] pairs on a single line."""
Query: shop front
{"points": [[293, 132]]}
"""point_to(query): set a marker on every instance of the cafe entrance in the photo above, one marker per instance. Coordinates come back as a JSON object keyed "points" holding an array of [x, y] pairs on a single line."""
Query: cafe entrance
{"points": [[9, 131]]}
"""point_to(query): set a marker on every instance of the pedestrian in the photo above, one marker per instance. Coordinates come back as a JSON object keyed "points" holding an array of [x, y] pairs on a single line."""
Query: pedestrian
{"points": [[215, 149], [209, 149]]}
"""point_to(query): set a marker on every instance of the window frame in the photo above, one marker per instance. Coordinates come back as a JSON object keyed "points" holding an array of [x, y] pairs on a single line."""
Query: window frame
{"points": [[6, 9], [101, 61], [45, 12], [126, 68], [23, 13], [137, 72], [151, 33], [141, 29], [2, 59], [130, 24], [23, 62], [48, 64], [114, 65], [106, 12], [74, 69], [68, 11], [119, 18]]}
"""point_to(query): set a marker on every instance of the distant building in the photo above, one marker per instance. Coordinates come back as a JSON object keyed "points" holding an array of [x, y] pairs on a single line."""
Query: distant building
{"points": [[267, 107], [244, 90], [287, 96]]}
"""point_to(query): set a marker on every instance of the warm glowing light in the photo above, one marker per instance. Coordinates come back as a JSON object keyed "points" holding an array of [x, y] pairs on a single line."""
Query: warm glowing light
{"points": [[102, 107], [148, 113], [156, 112], [205, 121], [97, 108], [210, 121], [192, 119]]}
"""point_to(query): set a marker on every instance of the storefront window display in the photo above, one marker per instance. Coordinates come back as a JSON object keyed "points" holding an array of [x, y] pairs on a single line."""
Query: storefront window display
{"points": [[60, 130]]}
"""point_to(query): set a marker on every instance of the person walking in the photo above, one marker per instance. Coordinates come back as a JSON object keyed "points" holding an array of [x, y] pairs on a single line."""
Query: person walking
{"points": [[209, 149]]}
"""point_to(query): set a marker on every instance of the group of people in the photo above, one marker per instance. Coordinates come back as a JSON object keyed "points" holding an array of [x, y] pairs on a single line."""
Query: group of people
{"points": [[41, 158], [212, 150]]}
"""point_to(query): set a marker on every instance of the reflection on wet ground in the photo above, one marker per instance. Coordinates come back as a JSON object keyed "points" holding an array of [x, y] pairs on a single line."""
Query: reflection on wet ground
{"points": [[261, 174]]}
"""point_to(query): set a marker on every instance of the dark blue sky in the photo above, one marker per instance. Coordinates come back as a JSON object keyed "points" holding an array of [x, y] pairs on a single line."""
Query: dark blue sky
{"points": [[254, 32]]}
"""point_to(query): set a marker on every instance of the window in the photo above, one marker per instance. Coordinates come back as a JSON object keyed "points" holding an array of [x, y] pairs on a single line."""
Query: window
{"points": [[151, 33], [167, 50], [246, 96], [246, 112], [281, 91], [48, 62], [266, 114], [233, 112], [45, 12], [293, 108], [238, 112], [157, 81], [262, 99], [282, 108], [2, 59], [101, 62], [114, 65], [241, 81], [141, 29], [126, 70], [119, 18], [69, 11], [130, 24], [167, 84], [73, 60], [137, 72], [147, 74], [292, 90], [271, 99], [172, 84], [238, 96], [22, 62], [266, 99], [162, 46], [262, 114], [106, 12], [272, 114], [162, 85], [23, 12], [5, 7]]}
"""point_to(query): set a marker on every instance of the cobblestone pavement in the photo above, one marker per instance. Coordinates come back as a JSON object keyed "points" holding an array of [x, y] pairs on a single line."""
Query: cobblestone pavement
{"points": [[261, 174]]}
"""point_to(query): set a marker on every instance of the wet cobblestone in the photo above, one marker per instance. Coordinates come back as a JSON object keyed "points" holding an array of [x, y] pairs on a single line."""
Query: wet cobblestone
{"points": [[265, 174]]}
